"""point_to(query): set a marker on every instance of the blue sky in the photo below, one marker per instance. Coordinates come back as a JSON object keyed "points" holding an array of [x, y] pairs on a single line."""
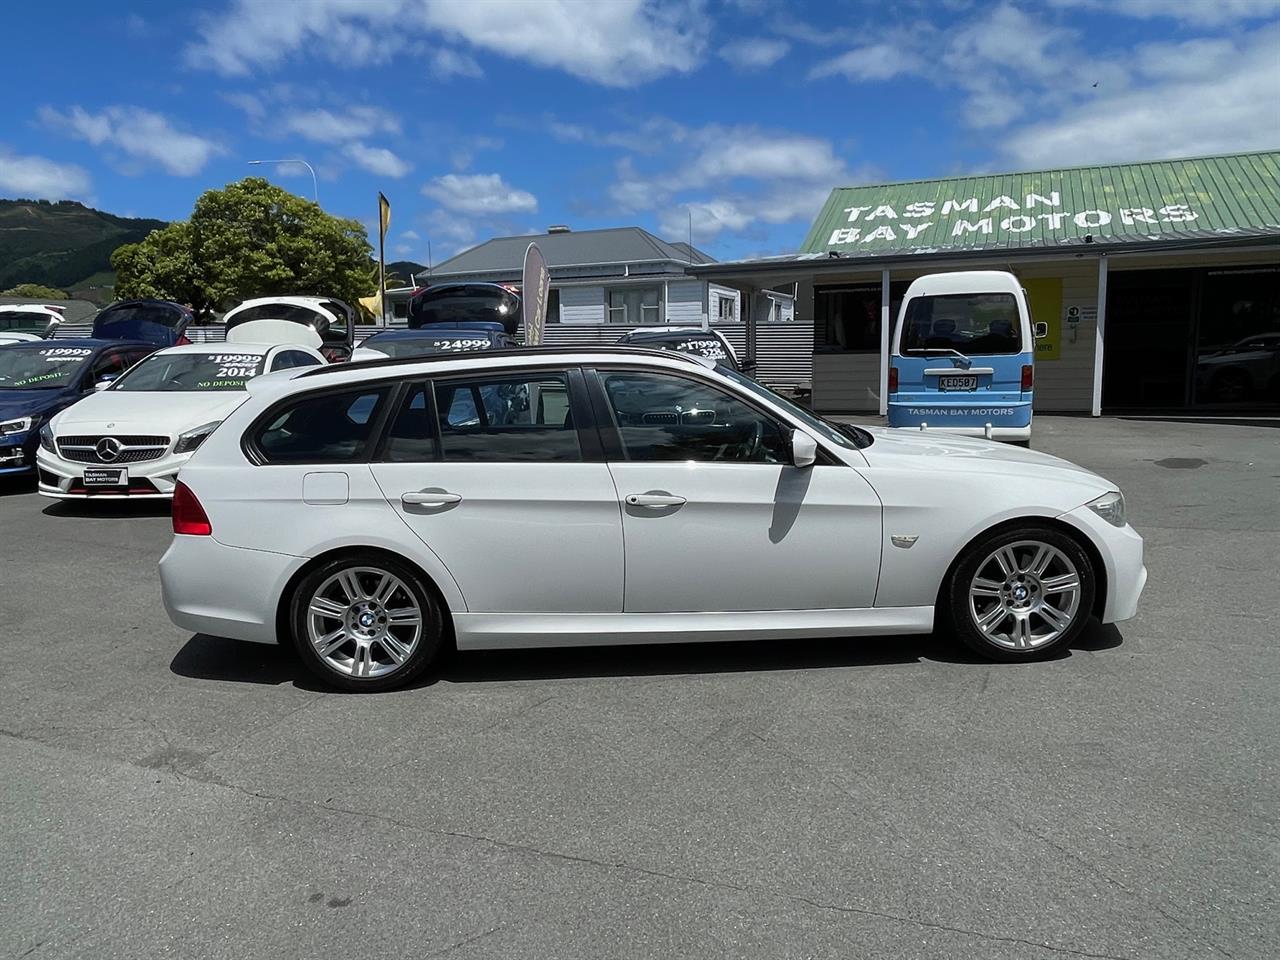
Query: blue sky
{"points": [[492, 117]]}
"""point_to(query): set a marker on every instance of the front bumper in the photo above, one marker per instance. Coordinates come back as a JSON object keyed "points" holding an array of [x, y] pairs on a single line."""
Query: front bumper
{"points": [[1121, 549], [209, 587], [63, 479], [16, 454]]}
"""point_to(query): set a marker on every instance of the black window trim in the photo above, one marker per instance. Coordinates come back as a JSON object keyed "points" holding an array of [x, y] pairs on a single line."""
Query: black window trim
{"points": [[255, 455], [615, 452], [584, 423]]}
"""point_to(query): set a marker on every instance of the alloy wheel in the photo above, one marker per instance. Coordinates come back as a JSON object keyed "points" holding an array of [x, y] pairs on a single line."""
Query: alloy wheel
{"points": [[364, 622], [1025, 595]]}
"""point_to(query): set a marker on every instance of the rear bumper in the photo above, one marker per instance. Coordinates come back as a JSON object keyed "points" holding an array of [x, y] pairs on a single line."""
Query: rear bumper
{"points": [[209, 587], [993, 419]]}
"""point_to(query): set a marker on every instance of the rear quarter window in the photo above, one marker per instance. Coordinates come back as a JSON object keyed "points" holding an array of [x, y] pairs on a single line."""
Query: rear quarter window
{"points": [[335, 427]]}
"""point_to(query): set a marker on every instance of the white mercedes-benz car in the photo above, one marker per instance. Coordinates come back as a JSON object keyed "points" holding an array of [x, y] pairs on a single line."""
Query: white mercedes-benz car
{"points": [[369, 513], [129, 439]]}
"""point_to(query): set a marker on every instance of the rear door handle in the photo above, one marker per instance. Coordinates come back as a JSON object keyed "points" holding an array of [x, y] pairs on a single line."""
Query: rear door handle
{"points": [[654, 500], [430, 498]]}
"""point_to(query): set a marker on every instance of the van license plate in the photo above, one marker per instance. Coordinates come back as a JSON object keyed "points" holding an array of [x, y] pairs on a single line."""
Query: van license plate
{"points": [[106, 477], [958, 383]]}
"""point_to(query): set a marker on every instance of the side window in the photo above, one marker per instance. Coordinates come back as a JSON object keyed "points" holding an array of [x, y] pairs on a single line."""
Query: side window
{"points": [[287, 359], [110, 364], [329, 428], [412, 436], [662, 417], [511, 418]]}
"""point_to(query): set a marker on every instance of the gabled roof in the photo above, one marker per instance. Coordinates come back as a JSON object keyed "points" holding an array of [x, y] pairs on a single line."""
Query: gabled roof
{"points": [[585, 248], [1219, 197]]}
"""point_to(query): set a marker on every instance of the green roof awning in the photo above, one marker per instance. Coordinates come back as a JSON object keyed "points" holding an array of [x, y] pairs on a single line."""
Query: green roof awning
{"points": [[1223, 197]]}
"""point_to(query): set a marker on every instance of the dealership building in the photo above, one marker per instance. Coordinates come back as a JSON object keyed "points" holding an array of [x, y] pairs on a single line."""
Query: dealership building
{"points": [[1159, 282]]}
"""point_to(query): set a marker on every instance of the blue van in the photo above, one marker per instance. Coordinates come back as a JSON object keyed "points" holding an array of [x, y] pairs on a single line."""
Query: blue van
{"points": [[962, 356]]}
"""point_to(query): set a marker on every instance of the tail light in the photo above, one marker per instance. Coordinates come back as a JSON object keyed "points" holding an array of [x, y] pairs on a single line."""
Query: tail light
{"points": [[189, 518], [893, 379], [1027, 377], [183, 341]]}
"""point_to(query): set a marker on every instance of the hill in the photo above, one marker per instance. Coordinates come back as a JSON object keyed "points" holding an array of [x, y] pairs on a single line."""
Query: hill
{"points": [[404, 270], [62, 244]]}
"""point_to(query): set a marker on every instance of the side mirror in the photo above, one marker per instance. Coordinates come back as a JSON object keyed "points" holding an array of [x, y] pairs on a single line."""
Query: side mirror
{"points": [[105, 382], [1041, 330], [804, 449]]}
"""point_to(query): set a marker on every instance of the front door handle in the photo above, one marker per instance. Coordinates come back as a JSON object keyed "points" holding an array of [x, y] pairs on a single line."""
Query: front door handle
{"points": [[430, 498], [654, 500]]}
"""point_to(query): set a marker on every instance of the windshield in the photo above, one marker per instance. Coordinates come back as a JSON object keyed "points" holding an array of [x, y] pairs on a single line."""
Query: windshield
{"points": [[41, 368], [456, 342], [192, 372], [969, 323], [842, 435], [23, 321]]}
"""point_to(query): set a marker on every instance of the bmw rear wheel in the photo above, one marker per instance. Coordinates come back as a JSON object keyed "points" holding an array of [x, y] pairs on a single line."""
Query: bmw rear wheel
{"points": [[1022, 593], [365, 623]]}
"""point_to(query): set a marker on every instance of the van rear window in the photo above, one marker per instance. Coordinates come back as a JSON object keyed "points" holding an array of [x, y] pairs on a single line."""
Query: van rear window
{"points": [[971, 323]]}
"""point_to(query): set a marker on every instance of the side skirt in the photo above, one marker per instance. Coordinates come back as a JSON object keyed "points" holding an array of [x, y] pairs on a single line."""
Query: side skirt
{"points": [[491, 631]]}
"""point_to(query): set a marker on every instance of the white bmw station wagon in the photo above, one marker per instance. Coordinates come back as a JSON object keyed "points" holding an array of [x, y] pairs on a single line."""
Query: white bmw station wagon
{"points": [[369, 513]]}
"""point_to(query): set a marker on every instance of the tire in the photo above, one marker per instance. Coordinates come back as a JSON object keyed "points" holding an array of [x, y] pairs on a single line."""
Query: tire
{"points": [[365, 622], [1024, 572]]}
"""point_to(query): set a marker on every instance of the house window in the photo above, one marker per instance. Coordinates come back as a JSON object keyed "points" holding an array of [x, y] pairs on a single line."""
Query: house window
{"points": [[638, 305], [725, 310]]}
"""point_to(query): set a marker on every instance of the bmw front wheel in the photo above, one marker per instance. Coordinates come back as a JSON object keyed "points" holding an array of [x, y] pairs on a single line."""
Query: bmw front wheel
{"points": [[1022, 594], [365, 623]]}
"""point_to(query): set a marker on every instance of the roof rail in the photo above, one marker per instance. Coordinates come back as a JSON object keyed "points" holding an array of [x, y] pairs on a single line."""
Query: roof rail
{"points": [[510, 351]]}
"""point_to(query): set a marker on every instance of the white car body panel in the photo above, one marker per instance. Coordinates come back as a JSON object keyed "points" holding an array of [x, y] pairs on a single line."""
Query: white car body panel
{"points": [[279, 332], [539, 553], [743, 528], [113, 412], [17, 338]]}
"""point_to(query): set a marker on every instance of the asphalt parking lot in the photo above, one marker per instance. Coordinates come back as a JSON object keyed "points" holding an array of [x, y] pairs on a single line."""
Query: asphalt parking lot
{"points": [[166, 795]]}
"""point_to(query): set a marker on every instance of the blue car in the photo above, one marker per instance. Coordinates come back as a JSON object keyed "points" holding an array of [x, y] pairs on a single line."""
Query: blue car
{"points": [[43, 377], [458, 337]]}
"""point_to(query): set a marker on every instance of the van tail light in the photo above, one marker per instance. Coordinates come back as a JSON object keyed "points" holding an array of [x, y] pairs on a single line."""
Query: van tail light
{"points": [[893, 379], [189, 518], [1027, 377]]}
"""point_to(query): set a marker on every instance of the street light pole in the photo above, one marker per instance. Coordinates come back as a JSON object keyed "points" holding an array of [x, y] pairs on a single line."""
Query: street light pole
{"points": [[315, 190]]}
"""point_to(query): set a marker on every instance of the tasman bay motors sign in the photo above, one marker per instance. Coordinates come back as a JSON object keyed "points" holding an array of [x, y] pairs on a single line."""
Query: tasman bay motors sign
{"points": [[941, 222]]}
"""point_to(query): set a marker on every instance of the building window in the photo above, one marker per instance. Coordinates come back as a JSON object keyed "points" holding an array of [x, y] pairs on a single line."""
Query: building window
{"points": [[725, 309], [638, 305], [847, 318]]}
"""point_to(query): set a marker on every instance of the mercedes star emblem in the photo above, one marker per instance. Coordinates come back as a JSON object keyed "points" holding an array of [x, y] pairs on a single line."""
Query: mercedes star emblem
{"points": [[108, 449]]}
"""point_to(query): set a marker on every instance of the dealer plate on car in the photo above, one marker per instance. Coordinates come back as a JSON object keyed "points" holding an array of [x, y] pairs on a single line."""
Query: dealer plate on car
{"points": [[958, 383], [106, 477]]}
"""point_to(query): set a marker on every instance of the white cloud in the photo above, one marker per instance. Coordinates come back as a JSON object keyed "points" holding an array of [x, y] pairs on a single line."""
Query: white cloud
{"points": [[621, 43], [328, 126], [410, 235], [1199, 12], [878, 61], [376, 160], [446, 63], [1188, 99], [26, 175], [754, 53], [141, 136], [479, 193]]}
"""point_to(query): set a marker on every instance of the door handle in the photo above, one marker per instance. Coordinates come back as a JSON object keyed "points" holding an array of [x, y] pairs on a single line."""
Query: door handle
{"points": [[654, 500], [430, 498]]}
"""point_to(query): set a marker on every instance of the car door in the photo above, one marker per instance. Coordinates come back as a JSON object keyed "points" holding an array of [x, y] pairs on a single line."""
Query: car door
{"points": [[500, 473], [715, 517]]}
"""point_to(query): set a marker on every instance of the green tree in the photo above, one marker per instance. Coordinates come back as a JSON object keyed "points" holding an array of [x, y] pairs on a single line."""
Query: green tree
{"points": [[250, 239], [34, 291]]}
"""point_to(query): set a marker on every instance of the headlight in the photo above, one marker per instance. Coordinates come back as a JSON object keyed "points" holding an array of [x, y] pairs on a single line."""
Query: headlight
{"points": [[46, 438], [193, 438], [1110, 507], [21, 425]]}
